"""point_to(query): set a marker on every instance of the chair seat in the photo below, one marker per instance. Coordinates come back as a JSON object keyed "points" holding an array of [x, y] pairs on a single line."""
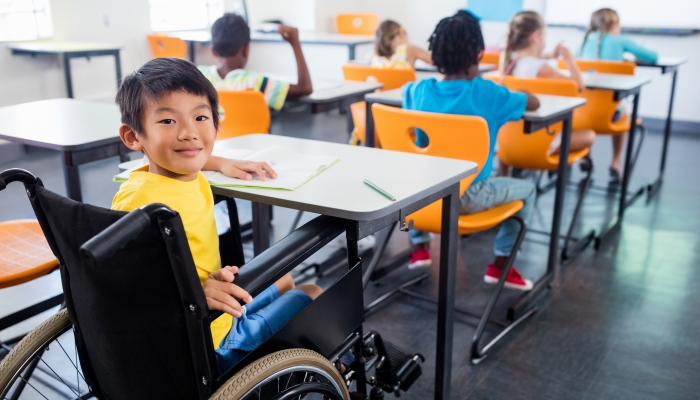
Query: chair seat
{"points": [[24, 253], [484, 220], [573, 157], [621, 126]]}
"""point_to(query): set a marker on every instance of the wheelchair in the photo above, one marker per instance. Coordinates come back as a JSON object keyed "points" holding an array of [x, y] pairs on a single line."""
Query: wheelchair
{"points": [[135, 322]]}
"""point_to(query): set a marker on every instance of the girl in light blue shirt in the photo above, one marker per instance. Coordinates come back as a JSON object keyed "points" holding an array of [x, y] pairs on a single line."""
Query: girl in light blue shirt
{"points": [[604, 41]]}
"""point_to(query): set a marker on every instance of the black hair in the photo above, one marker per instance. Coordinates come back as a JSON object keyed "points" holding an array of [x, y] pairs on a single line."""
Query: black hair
{"points": [[229, 35], [456, 43], [157, 78]]}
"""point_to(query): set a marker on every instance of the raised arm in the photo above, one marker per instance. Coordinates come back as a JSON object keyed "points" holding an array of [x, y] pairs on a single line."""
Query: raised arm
{"points": [[552, 73], [303, 86], [640, 52], [414, 53]]}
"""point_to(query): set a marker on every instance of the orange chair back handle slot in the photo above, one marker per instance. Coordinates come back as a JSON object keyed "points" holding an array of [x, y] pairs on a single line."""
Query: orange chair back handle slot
{"points": [[357, 24], [167, 46]]}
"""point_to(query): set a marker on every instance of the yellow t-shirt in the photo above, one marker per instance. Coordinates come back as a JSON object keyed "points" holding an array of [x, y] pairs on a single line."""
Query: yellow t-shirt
{"points": [[194, 202]]}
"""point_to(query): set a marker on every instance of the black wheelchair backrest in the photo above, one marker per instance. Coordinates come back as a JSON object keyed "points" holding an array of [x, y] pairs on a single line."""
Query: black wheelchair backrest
{"points": [[140, 315]]}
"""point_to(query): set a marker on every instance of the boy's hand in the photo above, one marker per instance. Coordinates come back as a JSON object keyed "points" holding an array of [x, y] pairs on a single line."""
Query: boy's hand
{"points": [[220, 292], [289, 34], [243, 169]]}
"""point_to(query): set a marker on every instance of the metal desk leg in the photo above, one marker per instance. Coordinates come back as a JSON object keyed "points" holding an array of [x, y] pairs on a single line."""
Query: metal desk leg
{"points": [[654, 187], [613, 229], [72, 177], [359, 364], [118, 63], [261, 227], [369, 126], [449, 241], [351, 52], [66, 71], [191, 48], [553, 260]]}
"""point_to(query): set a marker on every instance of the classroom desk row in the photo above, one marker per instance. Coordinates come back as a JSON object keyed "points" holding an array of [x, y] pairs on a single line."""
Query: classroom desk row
{"points": [[81, 131], [323, 39]]}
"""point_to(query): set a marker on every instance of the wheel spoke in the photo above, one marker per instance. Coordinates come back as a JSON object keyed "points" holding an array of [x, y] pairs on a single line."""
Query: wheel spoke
{"points": [[32, 386], [59, 377]]}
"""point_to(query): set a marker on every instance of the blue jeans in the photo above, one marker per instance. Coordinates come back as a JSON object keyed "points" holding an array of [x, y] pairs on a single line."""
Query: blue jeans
{"points": [[487, 194], [265, 315]]}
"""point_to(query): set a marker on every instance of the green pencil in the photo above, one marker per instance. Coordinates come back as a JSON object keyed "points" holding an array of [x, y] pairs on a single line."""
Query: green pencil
{"points": [[380, 190]]}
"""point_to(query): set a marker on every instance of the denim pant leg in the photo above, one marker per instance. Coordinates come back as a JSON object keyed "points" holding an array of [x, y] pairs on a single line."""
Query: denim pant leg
{"points": [[492, 192], [419, 237]]}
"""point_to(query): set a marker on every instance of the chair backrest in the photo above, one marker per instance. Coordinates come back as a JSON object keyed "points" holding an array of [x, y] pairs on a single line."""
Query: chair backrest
{"points": [[391, 78], [167, 46], [603, 66], [245, 112], [451, 136], [356, 24], [491, 57], [600, 105], [531, 151]]}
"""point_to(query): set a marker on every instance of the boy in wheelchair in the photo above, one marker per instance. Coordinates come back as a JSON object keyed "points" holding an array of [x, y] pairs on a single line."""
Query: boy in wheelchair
{"points": [[170, 112]]}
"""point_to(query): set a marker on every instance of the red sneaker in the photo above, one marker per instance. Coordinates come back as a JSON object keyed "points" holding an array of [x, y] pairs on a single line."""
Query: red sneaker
{"points": [[513, 281], [420, 259]]}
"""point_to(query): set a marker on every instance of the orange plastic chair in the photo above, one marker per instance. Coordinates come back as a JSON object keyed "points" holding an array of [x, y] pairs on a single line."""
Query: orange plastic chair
{"points": [[532, 151], [167, 46], [245, 112], [451, 136], [491, 58], [24, 253], [389, 77], [356, 24], [600, 105]]}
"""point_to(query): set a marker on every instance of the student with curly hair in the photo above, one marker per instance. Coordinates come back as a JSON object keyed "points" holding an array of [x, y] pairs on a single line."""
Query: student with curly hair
{"points": [[457, 46]]}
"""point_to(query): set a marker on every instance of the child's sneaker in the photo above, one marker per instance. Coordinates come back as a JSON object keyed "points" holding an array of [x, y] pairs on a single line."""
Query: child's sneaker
{"points": [[419, 259], [513, 281]]}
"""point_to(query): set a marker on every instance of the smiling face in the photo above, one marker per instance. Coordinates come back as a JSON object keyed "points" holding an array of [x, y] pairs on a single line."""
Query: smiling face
{"points": [[178, 135]]}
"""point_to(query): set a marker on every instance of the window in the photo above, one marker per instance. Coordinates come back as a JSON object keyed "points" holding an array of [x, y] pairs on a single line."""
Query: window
{"points": [[180, 15], [25, 19]]}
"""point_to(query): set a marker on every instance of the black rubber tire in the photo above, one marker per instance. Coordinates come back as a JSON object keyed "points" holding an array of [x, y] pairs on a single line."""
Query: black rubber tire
{"points": [[250, 376]]}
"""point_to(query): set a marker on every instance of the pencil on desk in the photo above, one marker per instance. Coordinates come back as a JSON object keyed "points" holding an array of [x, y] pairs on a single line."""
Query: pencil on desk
{"points": [[380, 190]]}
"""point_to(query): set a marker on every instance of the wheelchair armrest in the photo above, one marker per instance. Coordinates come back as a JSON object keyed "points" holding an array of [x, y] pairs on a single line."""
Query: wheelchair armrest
{"points": [[103, 245], [273, 263]]}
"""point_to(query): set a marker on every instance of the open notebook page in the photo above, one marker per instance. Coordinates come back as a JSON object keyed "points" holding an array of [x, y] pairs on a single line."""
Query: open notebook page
{"points": [[293, 169]]}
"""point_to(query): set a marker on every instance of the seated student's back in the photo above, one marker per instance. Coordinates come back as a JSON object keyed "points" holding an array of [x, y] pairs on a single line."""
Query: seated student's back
{"points": [[604, 40], [230, 37]]}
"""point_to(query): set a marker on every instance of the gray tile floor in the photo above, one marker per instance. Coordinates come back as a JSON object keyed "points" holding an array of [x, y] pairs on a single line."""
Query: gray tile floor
{"points": [[623, 322]]}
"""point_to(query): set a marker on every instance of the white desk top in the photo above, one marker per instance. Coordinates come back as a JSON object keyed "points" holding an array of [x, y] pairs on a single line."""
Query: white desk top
{"points": [[665, 62], [615, 82], [204, 36], [344, 89], [549, 105], [58, 47], [340, 191], [61, 124]]}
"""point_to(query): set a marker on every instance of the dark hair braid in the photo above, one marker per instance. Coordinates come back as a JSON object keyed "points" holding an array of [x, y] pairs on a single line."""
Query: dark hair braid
{"points": [[456, 43]]}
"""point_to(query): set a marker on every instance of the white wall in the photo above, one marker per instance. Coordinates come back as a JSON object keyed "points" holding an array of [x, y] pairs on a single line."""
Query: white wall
{"points": [[126, 22]]}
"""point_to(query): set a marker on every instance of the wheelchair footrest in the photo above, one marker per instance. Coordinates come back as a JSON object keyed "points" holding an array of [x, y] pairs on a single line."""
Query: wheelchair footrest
{"points": [[406, 367]]}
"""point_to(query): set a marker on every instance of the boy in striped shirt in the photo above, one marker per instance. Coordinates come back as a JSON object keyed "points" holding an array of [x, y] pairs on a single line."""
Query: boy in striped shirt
{"points": [[230, 39]]}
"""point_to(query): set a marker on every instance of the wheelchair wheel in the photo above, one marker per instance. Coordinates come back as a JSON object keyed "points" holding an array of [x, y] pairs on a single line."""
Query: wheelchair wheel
{"points": [[44, 364], [288, 374]]}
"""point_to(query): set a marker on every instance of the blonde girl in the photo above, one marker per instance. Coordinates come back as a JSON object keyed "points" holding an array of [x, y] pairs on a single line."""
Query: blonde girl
{"points": [[392, 49]]}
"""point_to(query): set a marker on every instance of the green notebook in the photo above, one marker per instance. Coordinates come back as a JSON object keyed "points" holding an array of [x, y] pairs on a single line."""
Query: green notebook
{"points": [[293, 169]]}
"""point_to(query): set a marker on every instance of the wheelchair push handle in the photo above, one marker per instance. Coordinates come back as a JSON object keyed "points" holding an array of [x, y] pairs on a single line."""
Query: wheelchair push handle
{"points": [[16, 175], [119, 234]]}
